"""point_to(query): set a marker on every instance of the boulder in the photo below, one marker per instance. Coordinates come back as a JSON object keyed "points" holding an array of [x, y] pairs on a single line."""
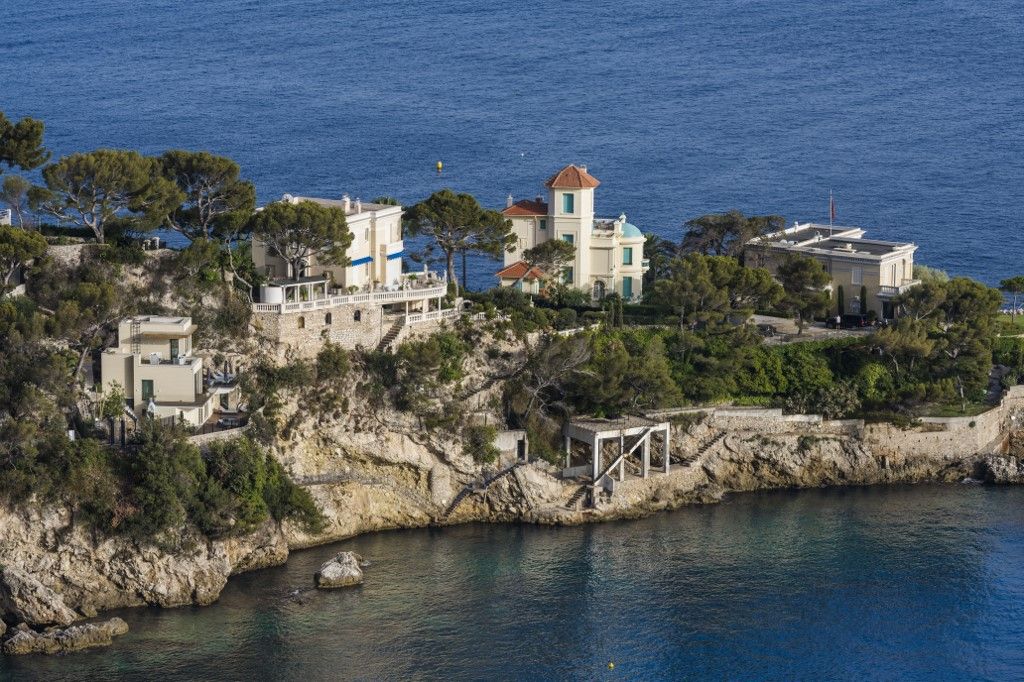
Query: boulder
{"points": [[342, 571], [25, 599], [59, 641]]}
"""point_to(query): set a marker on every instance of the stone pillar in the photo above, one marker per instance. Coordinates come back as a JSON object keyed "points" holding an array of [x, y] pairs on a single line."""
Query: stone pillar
{"points": [[646, 454], [665, 445], [595, 456], [568, 452]]}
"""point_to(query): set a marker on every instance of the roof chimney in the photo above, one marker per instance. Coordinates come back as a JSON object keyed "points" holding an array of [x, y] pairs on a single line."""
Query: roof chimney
{"points": [[508, 201], [359, 205], [540, 199], [583, 167], [346, 203]]}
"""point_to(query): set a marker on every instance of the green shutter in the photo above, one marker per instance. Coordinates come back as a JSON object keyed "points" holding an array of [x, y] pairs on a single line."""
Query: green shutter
{"points": [[627, 287], [627, 255], [568, 203]]}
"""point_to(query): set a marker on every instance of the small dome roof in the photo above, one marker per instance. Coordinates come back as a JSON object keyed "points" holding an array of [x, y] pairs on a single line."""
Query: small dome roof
{"points": [[629, 230]]}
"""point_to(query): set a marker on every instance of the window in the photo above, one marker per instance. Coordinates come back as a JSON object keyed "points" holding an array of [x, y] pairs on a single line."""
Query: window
{"points": [[328, 318], [174, 349], [568, 203], [148, 390], [569, 238], [543, 223], [627, 287], [568, 274], [857, 276], [302, 323], [627, 255]]}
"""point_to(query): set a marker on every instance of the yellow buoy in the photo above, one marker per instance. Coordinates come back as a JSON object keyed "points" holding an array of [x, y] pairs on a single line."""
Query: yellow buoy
{"points": [[611, 665], [440, 167]]}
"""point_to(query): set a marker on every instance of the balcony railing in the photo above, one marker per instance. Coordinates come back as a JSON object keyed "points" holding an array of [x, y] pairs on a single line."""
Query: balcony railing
{"points": [[382, 296], [447, 313], [888, 290]]}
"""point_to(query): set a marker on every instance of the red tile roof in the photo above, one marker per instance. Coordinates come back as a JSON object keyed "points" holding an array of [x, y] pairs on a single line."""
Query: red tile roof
{"points": [[572, 177], [527, 207], [517, 270]]}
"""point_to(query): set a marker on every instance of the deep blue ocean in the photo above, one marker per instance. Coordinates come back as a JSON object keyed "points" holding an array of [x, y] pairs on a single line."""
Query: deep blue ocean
{"points": [[899, 583], [912, 112]]}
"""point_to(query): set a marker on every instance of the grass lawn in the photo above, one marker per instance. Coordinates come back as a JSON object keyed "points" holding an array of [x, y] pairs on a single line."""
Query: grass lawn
{"points": [[1011, 325], [973, 410]]}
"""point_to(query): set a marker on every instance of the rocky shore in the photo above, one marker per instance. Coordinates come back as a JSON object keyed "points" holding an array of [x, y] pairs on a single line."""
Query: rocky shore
{"points": [[370, 475]]}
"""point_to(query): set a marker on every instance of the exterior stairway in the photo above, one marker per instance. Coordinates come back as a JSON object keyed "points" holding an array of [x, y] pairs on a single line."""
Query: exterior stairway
{"points": [[471, 488], [391, 334], [689, 459]]}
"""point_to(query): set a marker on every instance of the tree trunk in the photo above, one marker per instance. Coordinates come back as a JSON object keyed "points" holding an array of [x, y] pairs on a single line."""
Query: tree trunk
{"points": [[463, 269], [450, 267]]}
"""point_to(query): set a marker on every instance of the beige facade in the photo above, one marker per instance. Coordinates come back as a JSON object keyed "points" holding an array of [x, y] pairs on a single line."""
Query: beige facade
{"points": [[880, 269], [375, 253], [609, 251], [154, 365]]}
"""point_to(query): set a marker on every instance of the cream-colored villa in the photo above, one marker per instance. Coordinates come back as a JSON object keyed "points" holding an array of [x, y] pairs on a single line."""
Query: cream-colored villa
{"points": [[154, 365], [881, 269], [369, 303], [609, 251]]}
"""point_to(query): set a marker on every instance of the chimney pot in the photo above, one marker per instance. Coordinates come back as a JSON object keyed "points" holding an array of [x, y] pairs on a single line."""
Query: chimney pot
{"points": [[509, 201], [359, 205], [346, 203]]}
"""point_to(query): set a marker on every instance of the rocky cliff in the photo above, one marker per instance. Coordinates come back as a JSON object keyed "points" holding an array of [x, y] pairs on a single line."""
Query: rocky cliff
{"points": [[378, 472]]}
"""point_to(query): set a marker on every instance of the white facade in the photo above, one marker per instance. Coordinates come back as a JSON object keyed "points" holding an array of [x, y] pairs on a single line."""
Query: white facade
{"points": [[609, 251], [375, 253]]}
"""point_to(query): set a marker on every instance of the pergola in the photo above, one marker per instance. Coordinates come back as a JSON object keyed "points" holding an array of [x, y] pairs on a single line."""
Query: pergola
{"points": [[593, 432]]}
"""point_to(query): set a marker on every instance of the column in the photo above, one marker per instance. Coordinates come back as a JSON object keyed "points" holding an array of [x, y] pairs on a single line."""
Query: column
{"points": [[646, 454], [568, 452], [595, 456], [622, 460], [668, 430]]}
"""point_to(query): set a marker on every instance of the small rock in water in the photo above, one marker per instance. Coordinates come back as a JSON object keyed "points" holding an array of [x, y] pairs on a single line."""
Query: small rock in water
{"points": [[342, 571], [62, 640]]}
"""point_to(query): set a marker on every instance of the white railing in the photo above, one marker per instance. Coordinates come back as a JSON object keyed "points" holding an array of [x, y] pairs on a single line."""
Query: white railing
{"points": [[446, 314], [383, 297], [887, 290]]}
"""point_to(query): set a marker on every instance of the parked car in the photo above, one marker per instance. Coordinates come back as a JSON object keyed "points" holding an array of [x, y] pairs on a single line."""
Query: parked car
{"points": [[229, 422], [854, 321]]}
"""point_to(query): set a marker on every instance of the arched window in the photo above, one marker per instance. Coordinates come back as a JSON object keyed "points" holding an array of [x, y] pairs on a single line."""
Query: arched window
{"points": [[302, 323], [327, 318]]}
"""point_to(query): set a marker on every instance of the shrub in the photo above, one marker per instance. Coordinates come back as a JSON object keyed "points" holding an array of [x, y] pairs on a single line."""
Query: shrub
{"points": [[478, 443], [565, 319]]}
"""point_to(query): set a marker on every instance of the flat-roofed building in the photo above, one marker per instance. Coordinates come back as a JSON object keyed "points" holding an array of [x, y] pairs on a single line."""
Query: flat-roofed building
{"points": [[154, 365], [880, 270]]}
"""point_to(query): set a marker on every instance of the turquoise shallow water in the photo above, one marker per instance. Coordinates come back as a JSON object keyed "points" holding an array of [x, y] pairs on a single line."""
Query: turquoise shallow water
{"points": [[915, 583], [910, 111]]}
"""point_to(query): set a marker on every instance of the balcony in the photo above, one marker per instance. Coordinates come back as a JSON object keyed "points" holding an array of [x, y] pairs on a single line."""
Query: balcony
{"points": [[887, 291], [408, 289]]}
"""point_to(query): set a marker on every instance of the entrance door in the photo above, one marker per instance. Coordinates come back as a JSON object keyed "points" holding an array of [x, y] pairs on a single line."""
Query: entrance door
{"points": [[147, 389], [174, 349], [599, 290], [627, 288]]}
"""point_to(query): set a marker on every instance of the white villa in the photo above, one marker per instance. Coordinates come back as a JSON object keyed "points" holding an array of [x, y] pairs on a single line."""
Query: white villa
{"points": [[609, 251], [154, 365], [369, 303]]}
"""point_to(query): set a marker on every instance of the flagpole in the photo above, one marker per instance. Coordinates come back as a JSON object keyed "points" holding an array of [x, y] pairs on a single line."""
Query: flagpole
{"points": [[831, 210]]}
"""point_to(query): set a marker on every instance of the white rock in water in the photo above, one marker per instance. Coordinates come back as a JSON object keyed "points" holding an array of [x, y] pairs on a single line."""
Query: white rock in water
{"points": [[59, 641], [341, 571]]}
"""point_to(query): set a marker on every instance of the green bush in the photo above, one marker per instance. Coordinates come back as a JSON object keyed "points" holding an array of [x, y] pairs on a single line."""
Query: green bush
{"points": [[478, 443]]}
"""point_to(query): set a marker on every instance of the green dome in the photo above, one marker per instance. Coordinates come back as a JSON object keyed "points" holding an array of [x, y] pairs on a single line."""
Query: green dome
{"points": [[629, 230]]}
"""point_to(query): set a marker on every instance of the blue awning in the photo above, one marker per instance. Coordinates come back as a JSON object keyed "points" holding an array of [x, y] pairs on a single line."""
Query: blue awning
{"points": [[396, 254], [362, 261]]}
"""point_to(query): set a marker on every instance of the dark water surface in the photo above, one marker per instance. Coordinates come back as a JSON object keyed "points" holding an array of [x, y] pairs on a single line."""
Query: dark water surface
{"points": [[911, 111], [905, 582]]}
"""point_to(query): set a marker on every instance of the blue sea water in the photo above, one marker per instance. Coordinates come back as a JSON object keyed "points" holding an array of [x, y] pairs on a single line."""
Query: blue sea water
{"points": [[901, 583], [911, 111]]}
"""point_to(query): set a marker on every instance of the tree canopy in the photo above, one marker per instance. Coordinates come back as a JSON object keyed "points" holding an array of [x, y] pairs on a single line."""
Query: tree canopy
{"points": [[17, 248], [550, 257], [725, 234], [458, 224], [105, 188], [217, 200], [303, 232], [803, 280], [14, 192], [21, 144]]}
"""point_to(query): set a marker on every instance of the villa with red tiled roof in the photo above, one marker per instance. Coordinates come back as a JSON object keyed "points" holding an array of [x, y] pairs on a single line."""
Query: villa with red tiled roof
{"points": [[609, 251]]}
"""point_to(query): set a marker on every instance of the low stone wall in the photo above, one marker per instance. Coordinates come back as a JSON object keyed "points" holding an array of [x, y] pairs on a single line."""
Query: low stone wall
{"points": [[303, 334]]}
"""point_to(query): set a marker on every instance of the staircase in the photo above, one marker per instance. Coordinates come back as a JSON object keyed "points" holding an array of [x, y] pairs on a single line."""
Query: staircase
{"points": [[471, 488], [392, 334], [577, 496], [701, 450]]}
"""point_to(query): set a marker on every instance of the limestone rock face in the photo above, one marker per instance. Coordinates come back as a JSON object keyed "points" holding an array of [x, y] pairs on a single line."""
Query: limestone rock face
{"points": [[25, 599], [344, 570], [1002, 469], [57, 640]]}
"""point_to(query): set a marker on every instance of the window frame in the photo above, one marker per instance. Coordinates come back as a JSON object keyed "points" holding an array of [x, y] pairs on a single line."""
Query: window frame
{"points": [[627, 250], [568, 203]]}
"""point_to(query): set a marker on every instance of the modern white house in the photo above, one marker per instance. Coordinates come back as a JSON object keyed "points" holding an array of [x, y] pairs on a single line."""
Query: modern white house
{"points": [[154, 365], [368, 303], [609, 251], [878, 270]]}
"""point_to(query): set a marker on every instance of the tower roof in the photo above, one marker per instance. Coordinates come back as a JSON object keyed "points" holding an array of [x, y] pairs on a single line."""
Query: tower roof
{"points": [[572, 177], [526, 207]]}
